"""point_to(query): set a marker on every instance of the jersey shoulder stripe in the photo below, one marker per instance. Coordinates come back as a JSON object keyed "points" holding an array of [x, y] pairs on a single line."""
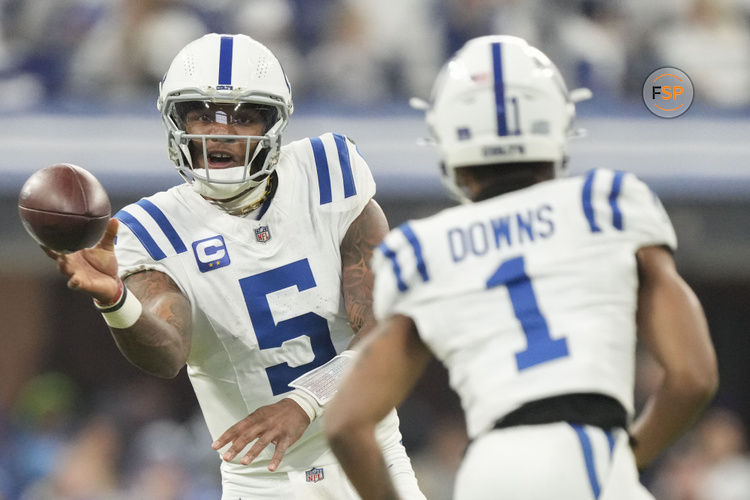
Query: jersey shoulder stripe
{"points": [[149, 223], [141, 233], [346, 166], [587, 202], [405, 259], [613, 197], [411, 237], [391, 255], [321, 165], [591, 195], [333, 165], [164, 224]]}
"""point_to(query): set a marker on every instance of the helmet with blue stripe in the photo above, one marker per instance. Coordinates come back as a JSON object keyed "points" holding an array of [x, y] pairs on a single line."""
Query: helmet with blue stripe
{"points": [[500, 101], [236, 74]]}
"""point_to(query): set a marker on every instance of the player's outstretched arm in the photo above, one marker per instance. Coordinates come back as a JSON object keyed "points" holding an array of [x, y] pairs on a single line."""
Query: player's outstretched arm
{"points": [[159, 340], [672, 325], [392, 359], [361, 239]]}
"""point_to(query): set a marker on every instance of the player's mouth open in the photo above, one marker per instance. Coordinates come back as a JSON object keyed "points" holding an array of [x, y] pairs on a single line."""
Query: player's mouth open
{"points": [[220, 160]]}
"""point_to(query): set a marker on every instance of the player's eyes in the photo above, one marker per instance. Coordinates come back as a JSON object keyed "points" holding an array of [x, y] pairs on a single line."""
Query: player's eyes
{"points": [[241, 118], [245, 119], [198, 116]]}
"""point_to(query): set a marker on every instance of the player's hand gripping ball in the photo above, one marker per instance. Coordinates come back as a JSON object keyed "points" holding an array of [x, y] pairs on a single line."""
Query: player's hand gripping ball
{"points": [[64, 207]]}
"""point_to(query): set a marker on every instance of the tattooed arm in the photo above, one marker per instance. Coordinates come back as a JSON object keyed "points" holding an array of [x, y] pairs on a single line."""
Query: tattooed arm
{"points": [[363, 235], [159, 342]]}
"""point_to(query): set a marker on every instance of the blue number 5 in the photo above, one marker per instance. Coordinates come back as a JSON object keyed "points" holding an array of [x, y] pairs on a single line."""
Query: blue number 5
{"points": [[271, 334], [540, 347]]}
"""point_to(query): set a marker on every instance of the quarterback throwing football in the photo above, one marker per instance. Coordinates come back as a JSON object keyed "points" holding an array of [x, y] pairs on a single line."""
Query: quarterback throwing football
{"points": [[254, 272]]}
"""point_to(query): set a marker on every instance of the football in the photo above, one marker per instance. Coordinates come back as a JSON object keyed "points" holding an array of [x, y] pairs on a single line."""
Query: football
{"points": [[64, 207]]}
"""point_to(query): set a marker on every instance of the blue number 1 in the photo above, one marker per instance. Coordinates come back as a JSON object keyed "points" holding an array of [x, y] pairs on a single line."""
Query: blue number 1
{"points": [[270, 334], [540, 347]]}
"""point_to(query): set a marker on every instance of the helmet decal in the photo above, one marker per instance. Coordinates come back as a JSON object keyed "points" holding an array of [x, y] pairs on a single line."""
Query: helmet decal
{"points": [[225, 63]]}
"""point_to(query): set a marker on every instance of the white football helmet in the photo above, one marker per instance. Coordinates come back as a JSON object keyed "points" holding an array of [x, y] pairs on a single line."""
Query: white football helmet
{"points": [[219, 70], [498, 101]]}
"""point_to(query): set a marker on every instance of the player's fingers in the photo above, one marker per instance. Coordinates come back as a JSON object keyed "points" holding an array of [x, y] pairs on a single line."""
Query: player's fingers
{"points": [[222, 440], [228, 436], [278, 454], [239, 443], [64, 266], [50, 253], [255, 450], [233, 450], [108, 240], [74, 283]]}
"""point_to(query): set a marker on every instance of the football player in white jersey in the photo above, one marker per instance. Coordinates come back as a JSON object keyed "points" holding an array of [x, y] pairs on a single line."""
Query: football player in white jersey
{"points": [[533, 296], [254, 272]]}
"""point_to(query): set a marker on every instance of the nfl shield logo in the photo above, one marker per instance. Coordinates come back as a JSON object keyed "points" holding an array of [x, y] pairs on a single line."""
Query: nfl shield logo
{"points": [[314, 475], [262, 234]]}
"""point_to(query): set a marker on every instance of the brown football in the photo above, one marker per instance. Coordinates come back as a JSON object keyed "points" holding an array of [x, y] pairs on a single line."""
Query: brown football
{"points": [[64, 207]]}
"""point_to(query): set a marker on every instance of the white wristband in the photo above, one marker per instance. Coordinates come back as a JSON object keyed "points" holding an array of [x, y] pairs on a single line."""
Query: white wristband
{"points": [[307, 403], [124, 313], [322, 382]]}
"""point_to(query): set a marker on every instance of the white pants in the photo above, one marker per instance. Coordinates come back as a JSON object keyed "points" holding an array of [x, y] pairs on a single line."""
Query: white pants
{"points": [[320, 482], [556, 461]]}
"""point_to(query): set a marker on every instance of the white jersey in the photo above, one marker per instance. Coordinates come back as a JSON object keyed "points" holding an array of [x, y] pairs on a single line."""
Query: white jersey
{"points": [[266, 294], [528, 295]]}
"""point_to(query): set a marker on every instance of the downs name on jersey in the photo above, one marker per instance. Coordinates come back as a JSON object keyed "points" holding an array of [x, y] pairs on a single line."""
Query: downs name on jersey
{"points": [[527, 285]]}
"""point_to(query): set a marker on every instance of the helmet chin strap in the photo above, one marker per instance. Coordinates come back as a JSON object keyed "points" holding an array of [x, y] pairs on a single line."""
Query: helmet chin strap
{"points": [[244, 202]]}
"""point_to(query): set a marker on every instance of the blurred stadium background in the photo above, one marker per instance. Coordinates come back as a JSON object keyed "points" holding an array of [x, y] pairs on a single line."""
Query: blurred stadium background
{"points": [[78, 84]]}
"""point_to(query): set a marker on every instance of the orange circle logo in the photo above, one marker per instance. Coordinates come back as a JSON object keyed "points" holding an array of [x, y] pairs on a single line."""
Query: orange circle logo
{"points": [[668, 92]]}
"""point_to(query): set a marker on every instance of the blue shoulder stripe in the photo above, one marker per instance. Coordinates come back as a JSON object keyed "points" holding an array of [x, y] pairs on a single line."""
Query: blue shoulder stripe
{"points": [[321, 164], [616, 213], [164, 224], [414, 242], [394, 262], [140, 232], [588, 207], [346, 167]]}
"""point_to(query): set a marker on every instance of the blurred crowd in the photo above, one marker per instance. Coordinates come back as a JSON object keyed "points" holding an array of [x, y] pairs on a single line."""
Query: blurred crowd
{"points": [[364, 53], [128, 443], [58, 441], [120, 443]]}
